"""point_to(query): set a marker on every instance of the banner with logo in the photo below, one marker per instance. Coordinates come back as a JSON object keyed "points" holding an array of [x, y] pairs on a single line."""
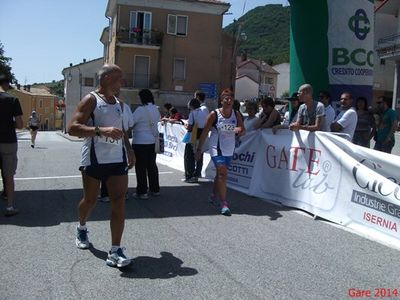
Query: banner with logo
{"points": [[331, 46], [321, 173], [351, 47]]}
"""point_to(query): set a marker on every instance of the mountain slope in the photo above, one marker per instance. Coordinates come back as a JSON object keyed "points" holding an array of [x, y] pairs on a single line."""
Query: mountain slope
{"points": [[267, 31]]}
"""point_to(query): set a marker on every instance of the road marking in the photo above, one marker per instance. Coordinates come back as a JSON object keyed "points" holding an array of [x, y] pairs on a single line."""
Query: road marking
{"points": [[73, 176]]}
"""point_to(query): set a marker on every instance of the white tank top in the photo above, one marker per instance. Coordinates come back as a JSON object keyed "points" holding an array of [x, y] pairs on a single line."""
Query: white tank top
{"points": [[222, 138], [105, 150]]}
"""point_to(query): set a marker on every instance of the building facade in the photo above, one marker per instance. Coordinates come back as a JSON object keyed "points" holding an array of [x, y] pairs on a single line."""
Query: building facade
{"points": [[41, 101], [255, 78], [171, 47], [79, 80]]}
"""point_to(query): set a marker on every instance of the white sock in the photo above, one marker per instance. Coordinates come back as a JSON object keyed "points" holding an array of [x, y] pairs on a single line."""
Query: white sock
{"points": [[114, 248], [82, 227]]}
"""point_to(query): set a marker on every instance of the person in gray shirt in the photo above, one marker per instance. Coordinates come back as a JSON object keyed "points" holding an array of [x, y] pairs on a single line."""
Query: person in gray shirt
{"points": [[311, 113]]}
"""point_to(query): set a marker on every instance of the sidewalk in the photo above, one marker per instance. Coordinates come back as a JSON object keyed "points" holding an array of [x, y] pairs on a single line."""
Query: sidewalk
{"points": [[69, 137]]}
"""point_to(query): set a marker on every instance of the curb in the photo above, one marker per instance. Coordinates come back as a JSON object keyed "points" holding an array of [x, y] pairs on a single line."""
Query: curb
{"points": [[69, 137]]}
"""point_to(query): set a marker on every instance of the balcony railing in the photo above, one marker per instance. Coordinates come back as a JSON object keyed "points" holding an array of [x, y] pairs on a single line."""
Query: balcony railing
{"points": [[389, 46], [141, 81], [152, 38]]}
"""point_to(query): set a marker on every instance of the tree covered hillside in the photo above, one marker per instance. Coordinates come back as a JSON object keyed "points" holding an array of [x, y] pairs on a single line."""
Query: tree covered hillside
{"points": [[267, 31]]}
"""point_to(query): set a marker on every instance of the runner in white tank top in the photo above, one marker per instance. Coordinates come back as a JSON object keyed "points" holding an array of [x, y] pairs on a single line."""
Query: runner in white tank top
{"points": [[98, 118], [224, 124], [106, 150]]}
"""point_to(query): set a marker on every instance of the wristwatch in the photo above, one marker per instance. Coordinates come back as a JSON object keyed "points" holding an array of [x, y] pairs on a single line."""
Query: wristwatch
{"points": [[97, 131]]}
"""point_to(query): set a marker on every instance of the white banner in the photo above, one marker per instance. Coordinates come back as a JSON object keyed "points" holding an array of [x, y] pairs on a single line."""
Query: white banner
{"points": [[320, 172], [351, 42]]}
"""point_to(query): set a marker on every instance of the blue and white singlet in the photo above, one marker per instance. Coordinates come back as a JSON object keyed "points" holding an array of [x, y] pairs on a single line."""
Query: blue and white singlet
{"points": [[222, 138]]}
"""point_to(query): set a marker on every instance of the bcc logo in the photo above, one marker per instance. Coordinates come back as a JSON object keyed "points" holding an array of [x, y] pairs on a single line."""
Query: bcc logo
{"points": [[359, 24]]}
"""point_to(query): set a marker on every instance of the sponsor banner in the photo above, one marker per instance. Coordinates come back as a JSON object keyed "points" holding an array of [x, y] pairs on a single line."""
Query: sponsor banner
{"points": [[351, 46], [321, 173], [174, 148]]}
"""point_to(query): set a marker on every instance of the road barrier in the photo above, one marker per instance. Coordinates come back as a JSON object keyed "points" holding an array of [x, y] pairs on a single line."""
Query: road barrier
{"points": [[321, 173]]}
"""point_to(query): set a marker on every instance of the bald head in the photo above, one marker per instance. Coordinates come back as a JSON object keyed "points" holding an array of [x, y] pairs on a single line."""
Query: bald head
{"points": [[305, 92], [107, 70], [306, 88]]}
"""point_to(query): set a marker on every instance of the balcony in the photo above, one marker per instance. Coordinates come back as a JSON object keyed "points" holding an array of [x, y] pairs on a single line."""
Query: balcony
{"points": [[389, 47], [141, 81], [136, 38]]}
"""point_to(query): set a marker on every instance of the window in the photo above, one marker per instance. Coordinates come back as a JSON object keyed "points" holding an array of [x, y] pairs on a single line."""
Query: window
{"points": [[46, 110], [40, 103], [140, 25], [268, 80], [179, 68], [88, 81], [177, 25]]}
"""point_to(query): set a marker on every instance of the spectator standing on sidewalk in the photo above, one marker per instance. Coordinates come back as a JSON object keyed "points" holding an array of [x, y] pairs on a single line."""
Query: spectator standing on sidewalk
{"points": [[196, 121], [10, 119], [144, 134], [346, 120], [325, 99], [366, 128], [388, 124], [269, 116], [106, 155], [311, 113], [290, 115]]}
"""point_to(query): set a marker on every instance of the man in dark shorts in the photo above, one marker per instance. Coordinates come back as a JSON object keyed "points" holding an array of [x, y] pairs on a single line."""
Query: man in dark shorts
{"points": [[106, 156], [10, 118]]}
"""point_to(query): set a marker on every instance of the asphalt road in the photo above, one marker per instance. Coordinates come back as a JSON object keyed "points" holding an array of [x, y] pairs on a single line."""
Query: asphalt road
{"points": [[182, 247]]}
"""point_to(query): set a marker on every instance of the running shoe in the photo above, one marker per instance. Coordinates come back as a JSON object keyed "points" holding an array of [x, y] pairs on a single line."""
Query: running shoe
{"points": [[10, 211], [192, 180], [103, 199], [141, 196], [82, 240], [118, 259], [225, 209]]}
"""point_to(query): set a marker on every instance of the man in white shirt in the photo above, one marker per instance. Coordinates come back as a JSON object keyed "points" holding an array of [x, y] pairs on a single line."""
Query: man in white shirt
{"points": [[325, 99], [346, 121]]}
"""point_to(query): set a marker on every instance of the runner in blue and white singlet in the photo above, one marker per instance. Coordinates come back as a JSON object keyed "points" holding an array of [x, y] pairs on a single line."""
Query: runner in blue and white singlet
{"points": [[222, 138], [225, 123]]}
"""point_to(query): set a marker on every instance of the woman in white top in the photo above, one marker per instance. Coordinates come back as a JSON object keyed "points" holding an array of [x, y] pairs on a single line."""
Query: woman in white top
{"points": [[34, 124], [224, 123], [144, 134]]}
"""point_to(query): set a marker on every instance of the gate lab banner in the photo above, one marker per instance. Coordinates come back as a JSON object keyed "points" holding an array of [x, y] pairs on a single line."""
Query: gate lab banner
{"points": [[320, 173]]}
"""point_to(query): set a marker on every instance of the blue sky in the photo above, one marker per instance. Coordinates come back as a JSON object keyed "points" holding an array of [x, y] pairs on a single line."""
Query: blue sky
{"points": [[44, 36]]}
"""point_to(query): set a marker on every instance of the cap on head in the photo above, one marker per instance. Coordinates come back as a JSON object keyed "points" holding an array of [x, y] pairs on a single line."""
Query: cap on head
{"points": [[295, 96]]}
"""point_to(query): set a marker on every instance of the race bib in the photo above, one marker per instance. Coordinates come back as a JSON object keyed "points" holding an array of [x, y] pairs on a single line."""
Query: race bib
{"points": [[226, 127], [107, 140]]}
